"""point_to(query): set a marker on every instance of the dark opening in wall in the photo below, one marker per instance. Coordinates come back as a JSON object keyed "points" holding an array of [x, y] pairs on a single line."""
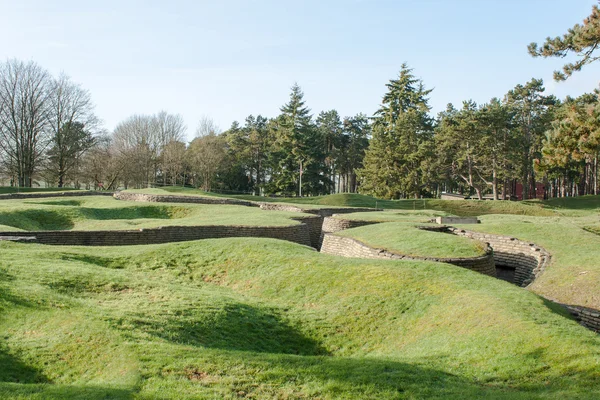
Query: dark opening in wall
{"points": [[505, 273]]}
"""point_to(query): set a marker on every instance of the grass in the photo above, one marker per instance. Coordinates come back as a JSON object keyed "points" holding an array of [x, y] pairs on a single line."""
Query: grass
{"points": [[454, 207], [101, 212], [406, 239], [574, 274], [260, 318]]}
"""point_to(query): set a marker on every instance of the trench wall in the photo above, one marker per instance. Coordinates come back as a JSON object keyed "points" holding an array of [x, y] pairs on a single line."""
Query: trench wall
{"points": [[158, 198], [19, 196], [293, 233], [528, 259], [348, 247]]}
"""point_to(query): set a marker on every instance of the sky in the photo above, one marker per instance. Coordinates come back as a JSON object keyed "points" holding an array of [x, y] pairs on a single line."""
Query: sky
{"points": [[229, 59]]}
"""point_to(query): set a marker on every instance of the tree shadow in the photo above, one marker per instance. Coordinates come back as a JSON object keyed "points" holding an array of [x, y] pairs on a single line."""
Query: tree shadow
{"points": [[231, 326], [361, 378], [14, 370]]}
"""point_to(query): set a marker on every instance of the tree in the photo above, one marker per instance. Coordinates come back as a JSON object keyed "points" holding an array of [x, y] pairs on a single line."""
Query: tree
{"points": [[207, 126], [329, 128], [25, 90], [297, 155], [205, 156], [401, 127], [137, 145], [572, 146], [350, 155], [581, 39], [460, 147], [72, 123], [533, 114], [70, 143], [101, 167], [249, 148], [141, 139], [173, 161]]}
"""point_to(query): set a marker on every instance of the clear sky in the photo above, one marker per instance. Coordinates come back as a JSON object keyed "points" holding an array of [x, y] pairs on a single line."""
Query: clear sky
{"points": [[229, 59]]}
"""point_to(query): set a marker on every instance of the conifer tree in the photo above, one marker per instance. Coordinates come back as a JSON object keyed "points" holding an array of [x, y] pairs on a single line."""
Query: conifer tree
{"points": [[581, 39], [401, 126]]}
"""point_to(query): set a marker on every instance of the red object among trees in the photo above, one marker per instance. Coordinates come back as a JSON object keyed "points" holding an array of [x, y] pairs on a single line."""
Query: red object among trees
{"points": [[540, 191]]}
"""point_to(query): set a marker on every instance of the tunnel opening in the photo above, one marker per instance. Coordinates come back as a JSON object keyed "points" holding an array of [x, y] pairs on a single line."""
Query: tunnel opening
{"points": [[505, 273]]}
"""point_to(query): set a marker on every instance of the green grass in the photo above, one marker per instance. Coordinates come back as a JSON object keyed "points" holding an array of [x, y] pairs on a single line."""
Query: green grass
{"points": [[406, 239], [12, 189], [261, 318], [574, 274], [102, 212], [458, 207]]}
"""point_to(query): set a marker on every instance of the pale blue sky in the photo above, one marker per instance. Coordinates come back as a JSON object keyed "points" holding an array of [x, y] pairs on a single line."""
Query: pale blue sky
{"points": [[229, 59]]}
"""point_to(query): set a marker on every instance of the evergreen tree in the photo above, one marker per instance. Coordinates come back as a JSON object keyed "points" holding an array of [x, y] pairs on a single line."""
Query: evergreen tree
{"points": [[572, 146], [533, 115], [401, 127], [329, 126], [354, 143], [297, 150], [581, 39]]}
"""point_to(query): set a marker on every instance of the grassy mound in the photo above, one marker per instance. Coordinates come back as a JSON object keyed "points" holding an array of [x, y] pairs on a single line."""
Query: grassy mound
{"points": [[101, 212], [406, 239], [262, 318]]}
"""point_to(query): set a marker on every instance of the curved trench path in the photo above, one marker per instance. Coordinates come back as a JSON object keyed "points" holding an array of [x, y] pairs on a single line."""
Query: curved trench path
{"points": [[317, 229]]}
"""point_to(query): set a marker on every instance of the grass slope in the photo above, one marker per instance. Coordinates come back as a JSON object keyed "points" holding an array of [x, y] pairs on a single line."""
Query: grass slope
{"points": [[101, 212], [406, 239], [573, 276], [260, 318]]}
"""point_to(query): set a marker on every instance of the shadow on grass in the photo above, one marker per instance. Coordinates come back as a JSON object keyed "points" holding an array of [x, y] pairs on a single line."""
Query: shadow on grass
{"points": [[589, 202], [99, 261], [33, 220], [232, 326], [272, 376], [51, 392], [152, 211], [14, 370], [70, 203]]}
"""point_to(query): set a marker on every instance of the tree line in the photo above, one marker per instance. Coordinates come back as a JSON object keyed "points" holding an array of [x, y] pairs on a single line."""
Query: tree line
{"points": [[514, 142]]}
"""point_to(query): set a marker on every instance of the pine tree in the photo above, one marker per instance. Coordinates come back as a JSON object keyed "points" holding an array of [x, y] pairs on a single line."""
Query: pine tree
{"points": [[401, 126], [297, 150], [581, 39], [533, 114]]}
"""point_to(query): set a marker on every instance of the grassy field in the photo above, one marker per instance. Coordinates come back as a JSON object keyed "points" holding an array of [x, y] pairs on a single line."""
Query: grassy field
{"points": [[101, 212], [260, 318], [406, 239], [463, 207]]}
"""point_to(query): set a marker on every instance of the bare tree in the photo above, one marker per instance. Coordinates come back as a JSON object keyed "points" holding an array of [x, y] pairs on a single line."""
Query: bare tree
{"points": [[101, 166], [141, 140], [73, 125], [25, 89], [206, 155], [173, 161], [207, 126], [135, 143]]}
